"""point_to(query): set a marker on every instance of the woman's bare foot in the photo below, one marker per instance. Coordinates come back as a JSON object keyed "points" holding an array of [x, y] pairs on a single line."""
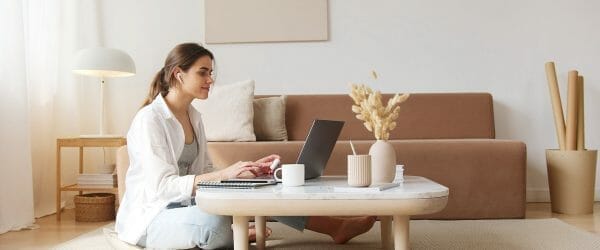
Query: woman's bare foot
{"points": [[341, 229], [352, 227], [252, 233]]}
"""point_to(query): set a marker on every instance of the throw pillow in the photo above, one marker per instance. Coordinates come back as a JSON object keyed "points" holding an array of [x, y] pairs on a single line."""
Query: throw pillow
{"points": [[269, 119], [227, 113]]}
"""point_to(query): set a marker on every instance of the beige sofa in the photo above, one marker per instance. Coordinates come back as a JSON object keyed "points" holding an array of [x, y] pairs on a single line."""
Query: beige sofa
{"points": [[447, 137]]}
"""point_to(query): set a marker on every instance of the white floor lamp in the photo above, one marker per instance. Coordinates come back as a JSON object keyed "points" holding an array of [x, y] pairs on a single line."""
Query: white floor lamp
{"points": [[103, 62]]}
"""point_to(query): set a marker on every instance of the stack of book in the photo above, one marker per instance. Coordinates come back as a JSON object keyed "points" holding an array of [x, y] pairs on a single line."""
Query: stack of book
{"points": [[97, 179]]}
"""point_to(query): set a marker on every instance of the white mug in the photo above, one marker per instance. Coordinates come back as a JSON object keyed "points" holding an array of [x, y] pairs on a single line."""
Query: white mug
{"points": [[292, 175]]}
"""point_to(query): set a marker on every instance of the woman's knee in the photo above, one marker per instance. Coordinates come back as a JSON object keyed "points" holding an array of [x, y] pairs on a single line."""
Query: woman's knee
{"points": [[188, 227], [213, 222], [214, 231]]}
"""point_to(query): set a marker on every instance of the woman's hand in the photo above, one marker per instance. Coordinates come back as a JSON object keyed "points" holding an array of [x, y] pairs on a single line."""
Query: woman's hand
{"points": [[248, 169], [241, 169], [266, 163]]}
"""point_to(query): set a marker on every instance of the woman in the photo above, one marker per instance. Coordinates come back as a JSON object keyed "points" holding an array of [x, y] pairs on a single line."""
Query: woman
{"points": [[168, 157]]}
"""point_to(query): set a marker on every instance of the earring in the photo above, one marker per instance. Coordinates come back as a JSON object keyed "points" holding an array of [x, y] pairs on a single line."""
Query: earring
{"points": [[179, 77]]}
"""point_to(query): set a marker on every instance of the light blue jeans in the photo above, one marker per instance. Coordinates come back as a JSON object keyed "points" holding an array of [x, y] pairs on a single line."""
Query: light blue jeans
{"points": [[189, 227]]}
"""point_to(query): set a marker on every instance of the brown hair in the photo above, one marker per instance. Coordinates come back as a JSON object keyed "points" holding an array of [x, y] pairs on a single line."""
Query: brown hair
{"points": [[183, 56]]}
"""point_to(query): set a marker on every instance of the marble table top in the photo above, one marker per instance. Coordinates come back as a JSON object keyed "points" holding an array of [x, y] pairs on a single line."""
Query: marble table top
{"points": [[323, 188]]}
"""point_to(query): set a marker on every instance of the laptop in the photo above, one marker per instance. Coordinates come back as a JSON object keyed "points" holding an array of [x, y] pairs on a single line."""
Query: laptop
{"points": [[315, 153]]}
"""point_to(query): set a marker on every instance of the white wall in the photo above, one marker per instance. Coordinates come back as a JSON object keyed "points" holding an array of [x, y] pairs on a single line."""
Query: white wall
{"points": [[416, 46]]}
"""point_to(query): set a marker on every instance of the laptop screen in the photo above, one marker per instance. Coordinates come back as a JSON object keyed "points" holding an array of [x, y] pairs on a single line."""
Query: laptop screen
{"points": [[318, 146]]}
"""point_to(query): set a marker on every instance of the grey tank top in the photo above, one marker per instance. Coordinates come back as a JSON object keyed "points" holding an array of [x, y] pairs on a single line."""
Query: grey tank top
{"points": [[189, 154]]}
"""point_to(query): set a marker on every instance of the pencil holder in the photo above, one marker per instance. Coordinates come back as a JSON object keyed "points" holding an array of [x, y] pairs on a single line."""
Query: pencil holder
{"points": [[359, 170], [571, 177]]}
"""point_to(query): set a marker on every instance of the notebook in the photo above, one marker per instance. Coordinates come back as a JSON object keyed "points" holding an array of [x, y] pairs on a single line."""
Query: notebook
{"points": [[234, 184]]}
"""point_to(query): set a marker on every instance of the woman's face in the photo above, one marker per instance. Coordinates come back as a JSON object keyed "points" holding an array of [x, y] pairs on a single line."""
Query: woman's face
{"points": [[197, 81]]}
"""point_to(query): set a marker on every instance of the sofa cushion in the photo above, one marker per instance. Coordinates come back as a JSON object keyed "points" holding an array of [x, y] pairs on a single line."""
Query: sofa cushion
{"points": [[228, 112], [269, 119]]}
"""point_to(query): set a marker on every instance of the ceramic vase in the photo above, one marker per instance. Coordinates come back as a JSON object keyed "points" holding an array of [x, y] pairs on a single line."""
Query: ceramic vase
{"points": [[383, 162]]}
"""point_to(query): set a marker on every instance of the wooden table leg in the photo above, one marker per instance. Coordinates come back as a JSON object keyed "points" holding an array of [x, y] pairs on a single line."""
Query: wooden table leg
{"points": [[240, 232], [401, 240], [58, 182], [260, 223], [80, 164], [386, 232]]}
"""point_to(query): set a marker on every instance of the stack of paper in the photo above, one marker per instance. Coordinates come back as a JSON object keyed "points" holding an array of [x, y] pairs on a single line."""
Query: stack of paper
{"points": [[97, 179]]}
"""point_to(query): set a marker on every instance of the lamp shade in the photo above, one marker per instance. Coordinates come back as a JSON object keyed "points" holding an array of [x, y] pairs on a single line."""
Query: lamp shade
{"points": [[103, 62]]}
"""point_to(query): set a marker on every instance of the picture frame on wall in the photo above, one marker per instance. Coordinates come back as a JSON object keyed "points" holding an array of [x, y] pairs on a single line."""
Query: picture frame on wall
{"points": [[232, 21]]}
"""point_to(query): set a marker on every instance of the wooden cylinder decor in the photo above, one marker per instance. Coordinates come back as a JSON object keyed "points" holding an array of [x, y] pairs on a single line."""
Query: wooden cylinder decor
{"points": [[572, 178]]}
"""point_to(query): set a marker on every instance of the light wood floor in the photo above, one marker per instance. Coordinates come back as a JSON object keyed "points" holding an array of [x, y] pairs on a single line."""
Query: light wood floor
{"points": [[52, 232]]}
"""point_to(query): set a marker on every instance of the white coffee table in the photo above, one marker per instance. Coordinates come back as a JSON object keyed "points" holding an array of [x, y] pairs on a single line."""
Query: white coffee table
{"points": [[416, 195]]}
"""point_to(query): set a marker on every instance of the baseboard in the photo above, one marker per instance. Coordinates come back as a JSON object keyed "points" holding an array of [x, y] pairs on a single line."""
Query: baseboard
{"points": [[543, 195]]}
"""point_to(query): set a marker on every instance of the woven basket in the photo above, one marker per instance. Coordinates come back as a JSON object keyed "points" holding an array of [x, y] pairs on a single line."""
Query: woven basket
{"points": [[95, 207]]}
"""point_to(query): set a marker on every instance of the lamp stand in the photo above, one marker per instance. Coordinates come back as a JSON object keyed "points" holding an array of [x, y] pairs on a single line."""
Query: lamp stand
{"points": [[101, 126], [101, 131]]}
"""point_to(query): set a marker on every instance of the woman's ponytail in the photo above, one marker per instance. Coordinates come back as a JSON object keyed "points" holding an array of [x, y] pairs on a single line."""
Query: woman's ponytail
{"points": [[158, 86]]}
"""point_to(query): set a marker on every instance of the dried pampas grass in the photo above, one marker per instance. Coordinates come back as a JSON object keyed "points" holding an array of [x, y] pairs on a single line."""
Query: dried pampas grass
{"points": [[369, 108]]}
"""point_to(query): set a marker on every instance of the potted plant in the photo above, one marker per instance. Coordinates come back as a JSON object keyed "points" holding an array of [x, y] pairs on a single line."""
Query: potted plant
{"points": [[380, 120]]}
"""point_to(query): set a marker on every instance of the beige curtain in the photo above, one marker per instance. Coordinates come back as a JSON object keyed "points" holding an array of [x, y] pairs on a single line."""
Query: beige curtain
{"points": [[46, 103], [16, 193], [60, 29]]}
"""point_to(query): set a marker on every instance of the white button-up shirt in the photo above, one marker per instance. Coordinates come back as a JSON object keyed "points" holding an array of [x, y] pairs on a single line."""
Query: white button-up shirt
{"points": [[155, 141]]}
